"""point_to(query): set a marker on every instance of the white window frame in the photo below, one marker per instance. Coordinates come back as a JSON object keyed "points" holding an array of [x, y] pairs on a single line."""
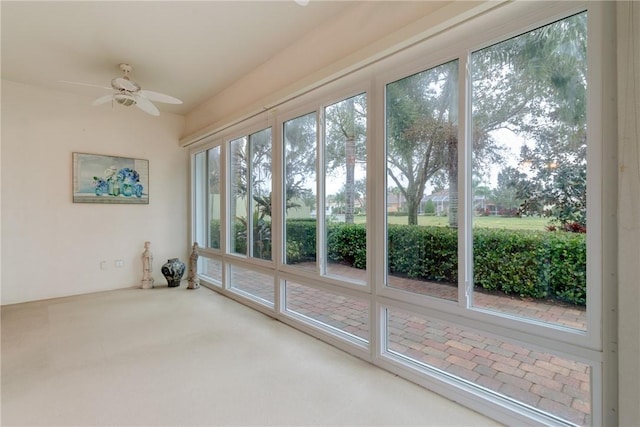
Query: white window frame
{"points": [[502, 22], [461, 49], [258, 125], [356, 85]]}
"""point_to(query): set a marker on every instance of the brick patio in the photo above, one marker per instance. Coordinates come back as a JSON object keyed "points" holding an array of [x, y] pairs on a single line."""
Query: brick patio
{"points": [[555, 385]]}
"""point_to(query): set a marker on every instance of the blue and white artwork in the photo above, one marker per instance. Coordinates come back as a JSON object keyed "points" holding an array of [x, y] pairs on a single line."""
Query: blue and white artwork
{"points": [[108, 179]]}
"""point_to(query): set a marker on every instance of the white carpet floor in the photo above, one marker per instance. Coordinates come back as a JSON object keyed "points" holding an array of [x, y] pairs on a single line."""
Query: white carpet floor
{"points": [[192, 357]]}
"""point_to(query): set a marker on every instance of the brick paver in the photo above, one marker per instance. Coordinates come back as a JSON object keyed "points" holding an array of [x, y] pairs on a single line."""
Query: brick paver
{"points": [[545, 381]]}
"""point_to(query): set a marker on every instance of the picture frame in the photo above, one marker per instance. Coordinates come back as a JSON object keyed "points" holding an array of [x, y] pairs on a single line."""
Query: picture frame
{"points": [[104, 179]]}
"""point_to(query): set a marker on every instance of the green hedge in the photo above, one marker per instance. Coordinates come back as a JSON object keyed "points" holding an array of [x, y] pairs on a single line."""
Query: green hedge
{"points": [[421, 252], [347, 243], [536, 264], [301, 240]]}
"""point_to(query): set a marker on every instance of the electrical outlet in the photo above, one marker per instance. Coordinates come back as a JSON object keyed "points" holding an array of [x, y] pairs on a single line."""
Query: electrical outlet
{"points": [[103, 265], [118, 263]]}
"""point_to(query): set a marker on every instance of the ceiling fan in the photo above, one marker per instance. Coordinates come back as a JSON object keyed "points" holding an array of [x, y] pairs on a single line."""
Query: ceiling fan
{"points": [[129, 93]]}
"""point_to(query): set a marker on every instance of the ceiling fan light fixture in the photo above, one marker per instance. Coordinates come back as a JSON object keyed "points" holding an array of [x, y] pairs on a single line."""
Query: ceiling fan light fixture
{"points": [[124, 99], [129, 93]]}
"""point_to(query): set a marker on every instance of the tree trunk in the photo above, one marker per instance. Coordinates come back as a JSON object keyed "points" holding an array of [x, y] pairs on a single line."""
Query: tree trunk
{"points": [[350, 152], [452, 172], [412, 209]]}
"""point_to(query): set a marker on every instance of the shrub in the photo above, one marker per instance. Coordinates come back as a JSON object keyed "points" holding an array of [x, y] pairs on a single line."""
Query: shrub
{"points": [[421, 252], [347, 243], [567, 260], [214, 234], [509, 261], [430, 207], [301, 240], [534, 264]]}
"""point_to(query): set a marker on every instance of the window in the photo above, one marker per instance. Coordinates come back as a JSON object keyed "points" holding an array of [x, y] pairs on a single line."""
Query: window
{"points": [[214, 197], [253, 284], [345, 188], [200, 198], [238, 200], [207, 198], [536, 380], [422, 182], [530, 173], [340, 314], [300, 213], [260, 190], [211, 270], [250, 195], [432, 213]]}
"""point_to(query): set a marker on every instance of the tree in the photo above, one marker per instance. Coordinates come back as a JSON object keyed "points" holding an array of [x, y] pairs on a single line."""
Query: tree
{"points": [[422, 136], [345, 143], [559, 187], [341, 198], [360, 192], [533, 85], [479, 189], [506, 194], [421, 131], [552, 61], [214, 170], [300, 161], [257, 148], [430, 207]]}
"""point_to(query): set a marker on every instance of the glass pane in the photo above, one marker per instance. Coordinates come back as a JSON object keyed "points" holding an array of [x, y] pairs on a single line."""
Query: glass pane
{"points": [[238, 206], [300, 141], [214, 197], [258, 286], [260, 189], [345, 314], [200, 197], [542, 381], [422, 182], [210, 270], [530, 169], [345, 130]]}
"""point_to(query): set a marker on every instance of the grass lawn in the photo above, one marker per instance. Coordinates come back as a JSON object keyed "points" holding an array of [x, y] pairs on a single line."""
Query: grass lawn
{"points": [[528, 223]]}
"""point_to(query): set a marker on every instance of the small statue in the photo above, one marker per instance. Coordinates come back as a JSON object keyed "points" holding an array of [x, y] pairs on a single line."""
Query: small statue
{"points": [[192, 278], [147, 267]]}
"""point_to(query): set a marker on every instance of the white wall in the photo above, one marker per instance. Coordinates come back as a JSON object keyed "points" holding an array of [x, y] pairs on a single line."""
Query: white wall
{"points": [[628, 24], [52, 247]]}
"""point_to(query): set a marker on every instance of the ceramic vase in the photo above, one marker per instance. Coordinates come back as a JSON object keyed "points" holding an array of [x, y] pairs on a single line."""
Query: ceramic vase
{"points": [[173, 271], [127, 189]]}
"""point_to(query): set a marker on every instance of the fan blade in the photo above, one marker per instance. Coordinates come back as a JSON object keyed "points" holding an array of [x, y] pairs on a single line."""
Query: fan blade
{"points": [[126, 84], [159, 97], [102, 100], [84, 84], [145, 105]]}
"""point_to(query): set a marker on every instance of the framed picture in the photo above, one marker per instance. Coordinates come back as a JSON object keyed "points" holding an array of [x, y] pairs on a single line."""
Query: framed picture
{"points": [[109, 179]]}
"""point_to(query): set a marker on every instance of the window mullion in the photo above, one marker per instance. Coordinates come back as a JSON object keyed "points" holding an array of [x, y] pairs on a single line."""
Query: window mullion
{"points": [[321, 266], [207, 203], [222, 185], [250, 207], [465, 232]]}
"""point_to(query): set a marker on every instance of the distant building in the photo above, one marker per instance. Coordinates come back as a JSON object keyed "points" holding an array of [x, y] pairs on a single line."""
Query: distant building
{"points": [[441, 201]]}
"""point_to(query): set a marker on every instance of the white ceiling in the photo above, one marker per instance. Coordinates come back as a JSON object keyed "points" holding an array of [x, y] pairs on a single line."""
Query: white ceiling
{"points": [[190, 50]]}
